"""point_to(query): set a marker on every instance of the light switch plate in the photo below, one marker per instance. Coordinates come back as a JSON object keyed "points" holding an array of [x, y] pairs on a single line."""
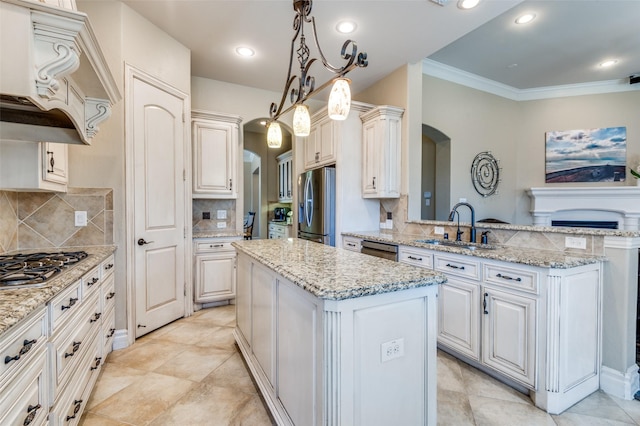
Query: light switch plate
{"points": [[221, 214], [221, 225], [438, 230], [575, 242], [81, 218]]}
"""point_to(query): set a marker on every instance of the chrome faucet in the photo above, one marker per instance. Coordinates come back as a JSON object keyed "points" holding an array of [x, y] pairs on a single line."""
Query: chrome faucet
{"points": [[454, 210]]}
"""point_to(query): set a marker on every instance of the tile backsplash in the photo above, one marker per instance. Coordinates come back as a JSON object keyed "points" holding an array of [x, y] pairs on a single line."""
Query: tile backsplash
{"points": [[201, 205], [47, 220]]}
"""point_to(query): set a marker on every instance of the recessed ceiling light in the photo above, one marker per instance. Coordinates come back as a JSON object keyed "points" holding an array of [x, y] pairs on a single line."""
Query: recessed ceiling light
{"points": [[245, 51], [346, 27], [467, 4], [526, 18], [263, 122], [608, 63]]}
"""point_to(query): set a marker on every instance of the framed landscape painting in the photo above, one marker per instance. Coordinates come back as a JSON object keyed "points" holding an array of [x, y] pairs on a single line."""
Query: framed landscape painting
{"points": [[594, 155]]}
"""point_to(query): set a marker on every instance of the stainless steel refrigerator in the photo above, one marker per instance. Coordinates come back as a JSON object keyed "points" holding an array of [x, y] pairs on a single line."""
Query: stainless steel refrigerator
{"points": [[316, 205]]}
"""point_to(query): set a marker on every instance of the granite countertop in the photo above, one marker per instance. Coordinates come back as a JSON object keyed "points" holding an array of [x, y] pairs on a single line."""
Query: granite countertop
{"points": [[335, 274], [16, 304], [525, 256], [217, 234]]}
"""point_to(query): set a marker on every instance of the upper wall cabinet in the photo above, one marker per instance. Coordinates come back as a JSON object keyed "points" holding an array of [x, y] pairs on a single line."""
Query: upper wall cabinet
{"points": [[55, 83], [381, 139], [215, 154], [33, 166], [320, 145], [285, 170]]}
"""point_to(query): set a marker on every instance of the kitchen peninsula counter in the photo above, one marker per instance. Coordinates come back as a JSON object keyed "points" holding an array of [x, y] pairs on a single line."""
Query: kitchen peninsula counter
{"points": [[525, 256], [16, 304], [335, 337]]}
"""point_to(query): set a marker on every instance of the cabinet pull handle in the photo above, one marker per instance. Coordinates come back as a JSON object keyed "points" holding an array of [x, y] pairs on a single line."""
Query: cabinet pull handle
{"points": [[454, 266], [96, 364], [77, 404], [26, 347], [111, 332], [374, 182], [416, 258], [484, 303], [93, 281], [110, 295], [230, 184], [109, 266], [32, 410], [96, 317], [76, 346], [52, 162], [507, 277], [215, 245], [72, 301]]}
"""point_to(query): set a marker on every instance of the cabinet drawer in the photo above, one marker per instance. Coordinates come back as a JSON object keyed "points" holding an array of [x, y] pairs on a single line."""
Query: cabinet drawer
{"points": [[511, 277], [24, 400], [91, 281], [462, 266], [19, 345], [108, 292], [71, 345], [351, 243], [107, 266], [416, 257], [203, 247], [64, 305], [108, 332]]}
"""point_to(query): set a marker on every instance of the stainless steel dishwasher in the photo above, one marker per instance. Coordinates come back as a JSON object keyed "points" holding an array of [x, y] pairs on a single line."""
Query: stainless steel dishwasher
{"points": [[377, 249]]}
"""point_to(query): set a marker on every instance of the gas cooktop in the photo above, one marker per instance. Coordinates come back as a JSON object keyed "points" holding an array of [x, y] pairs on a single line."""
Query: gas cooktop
{"points": [[34, 269]]}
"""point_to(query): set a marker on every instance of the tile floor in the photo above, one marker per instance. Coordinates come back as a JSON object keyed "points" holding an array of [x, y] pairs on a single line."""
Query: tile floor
{"points": [[191, 373]]}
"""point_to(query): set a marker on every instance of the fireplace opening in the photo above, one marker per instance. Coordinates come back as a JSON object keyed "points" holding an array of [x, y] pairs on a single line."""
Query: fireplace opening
{"points": [[600, 224]]}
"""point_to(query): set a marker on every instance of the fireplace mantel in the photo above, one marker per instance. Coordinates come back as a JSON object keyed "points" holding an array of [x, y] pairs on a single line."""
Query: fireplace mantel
{"points": [[619, 203]]}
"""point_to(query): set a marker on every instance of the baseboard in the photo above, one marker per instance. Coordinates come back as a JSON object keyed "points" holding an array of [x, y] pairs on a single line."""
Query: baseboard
{"points": [[620, 385], [121, 339]]}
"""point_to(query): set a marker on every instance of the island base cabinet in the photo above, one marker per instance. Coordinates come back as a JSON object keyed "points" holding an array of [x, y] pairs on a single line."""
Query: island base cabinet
{"points": [[368, 361]]}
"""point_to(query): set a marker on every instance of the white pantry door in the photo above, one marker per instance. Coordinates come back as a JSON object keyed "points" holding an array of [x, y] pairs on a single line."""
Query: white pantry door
{"points": [[159, 225]]}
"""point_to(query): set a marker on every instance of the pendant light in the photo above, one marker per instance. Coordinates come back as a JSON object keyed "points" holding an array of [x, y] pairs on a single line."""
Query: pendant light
{"points": [[301, 121], [339, 100], [274, 135]]}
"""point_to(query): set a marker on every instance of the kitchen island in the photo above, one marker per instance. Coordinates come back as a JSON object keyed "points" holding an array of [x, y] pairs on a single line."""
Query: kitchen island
{"points": [[337, 338]]}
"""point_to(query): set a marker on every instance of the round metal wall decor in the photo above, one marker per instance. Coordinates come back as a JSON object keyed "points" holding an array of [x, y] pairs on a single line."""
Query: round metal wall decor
{"points": [[485, 174]]}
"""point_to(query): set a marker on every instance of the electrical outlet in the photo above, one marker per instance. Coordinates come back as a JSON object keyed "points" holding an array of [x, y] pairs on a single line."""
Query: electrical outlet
{"points": [[81, 218], [438, 230], [383, 225], [575, 242], [389, 224], [221, 225], [221, 214], [206, 215], [391, 350]]}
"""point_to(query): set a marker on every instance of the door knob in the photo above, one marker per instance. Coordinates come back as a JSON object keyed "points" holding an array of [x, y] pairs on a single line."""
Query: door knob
{"points": [[142, 242]]}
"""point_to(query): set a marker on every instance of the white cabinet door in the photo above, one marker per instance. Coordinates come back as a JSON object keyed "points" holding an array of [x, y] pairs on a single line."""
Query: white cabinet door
{"points": [[381, 139], [285, 188], [458, 317], [41, 166], [215, 155], [509, 334], [216, 277], [320, 145]]}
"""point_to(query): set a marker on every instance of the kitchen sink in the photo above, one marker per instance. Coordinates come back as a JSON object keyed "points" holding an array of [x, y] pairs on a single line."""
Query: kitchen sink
{"points": [[459, 244]]}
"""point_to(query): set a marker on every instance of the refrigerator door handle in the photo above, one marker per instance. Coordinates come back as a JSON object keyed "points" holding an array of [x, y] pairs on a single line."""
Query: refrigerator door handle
{"points": [[308, 200]]}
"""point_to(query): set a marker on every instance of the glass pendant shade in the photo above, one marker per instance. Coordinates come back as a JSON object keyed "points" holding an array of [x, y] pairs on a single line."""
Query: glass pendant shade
{"points": [[339, 100], [274, 135], [301, 121]]}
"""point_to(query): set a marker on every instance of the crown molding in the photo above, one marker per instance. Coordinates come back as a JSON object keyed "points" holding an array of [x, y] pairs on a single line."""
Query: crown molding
{"points": [[455, 75]]}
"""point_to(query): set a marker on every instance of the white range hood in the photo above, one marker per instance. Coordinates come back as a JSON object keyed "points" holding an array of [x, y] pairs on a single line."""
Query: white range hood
{"points": [[619, 204], [55, 85]]}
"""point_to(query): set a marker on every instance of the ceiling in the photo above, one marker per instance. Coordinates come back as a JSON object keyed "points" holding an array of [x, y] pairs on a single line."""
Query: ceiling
{"points": [[563, 45]]}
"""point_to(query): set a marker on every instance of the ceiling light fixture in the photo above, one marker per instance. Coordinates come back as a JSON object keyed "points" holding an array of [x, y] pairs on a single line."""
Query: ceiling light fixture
{"points": [[608, 63], [274, 135], [301, 87], [526, 18], [468, 4], [346, 27], [245, 51]]}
